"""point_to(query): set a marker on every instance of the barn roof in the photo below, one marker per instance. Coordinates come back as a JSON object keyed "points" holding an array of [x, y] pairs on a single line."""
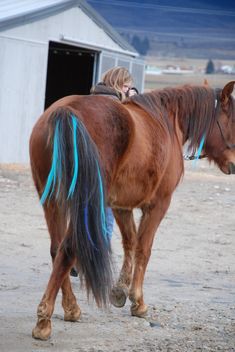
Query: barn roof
{"points": [[14, 13]]}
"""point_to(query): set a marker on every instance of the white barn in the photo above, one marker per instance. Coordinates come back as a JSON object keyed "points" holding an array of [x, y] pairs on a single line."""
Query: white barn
{"points": [[50, 49]]}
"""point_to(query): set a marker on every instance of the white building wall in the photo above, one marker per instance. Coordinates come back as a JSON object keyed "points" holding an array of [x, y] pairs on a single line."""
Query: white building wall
{"points": [[23, 77], [23, 69]]}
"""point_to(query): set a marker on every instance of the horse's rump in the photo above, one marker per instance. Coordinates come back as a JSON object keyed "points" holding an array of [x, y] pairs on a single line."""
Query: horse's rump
{"points": [[107, 122]]}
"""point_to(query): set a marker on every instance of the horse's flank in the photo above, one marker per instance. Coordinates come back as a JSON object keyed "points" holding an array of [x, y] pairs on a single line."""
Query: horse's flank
{"points": [[144, 162]]}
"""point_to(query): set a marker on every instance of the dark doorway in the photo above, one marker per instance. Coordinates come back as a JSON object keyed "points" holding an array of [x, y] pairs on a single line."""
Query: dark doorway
{"points": [[70, 70]]}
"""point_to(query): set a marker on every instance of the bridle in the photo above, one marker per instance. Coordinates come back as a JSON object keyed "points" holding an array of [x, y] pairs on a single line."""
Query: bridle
{"points": [[228, 145], [193, 157]]}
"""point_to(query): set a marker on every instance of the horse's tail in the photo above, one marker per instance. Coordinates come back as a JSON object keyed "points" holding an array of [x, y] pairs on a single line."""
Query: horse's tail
{"points": [[75, 183]]}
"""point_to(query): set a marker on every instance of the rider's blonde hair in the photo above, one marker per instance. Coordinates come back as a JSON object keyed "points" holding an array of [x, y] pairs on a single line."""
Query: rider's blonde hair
{"points": [[116, 78]]}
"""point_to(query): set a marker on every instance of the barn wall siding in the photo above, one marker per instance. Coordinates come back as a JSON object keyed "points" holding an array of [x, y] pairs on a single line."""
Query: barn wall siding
{"points": [[23, 75]]}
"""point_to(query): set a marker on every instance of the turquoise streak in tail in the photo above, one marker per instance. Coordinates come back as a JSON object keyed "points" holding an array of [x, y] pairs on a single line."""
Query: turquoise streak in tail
{"points": [[103, 217], [56, 165], [75, 154]]}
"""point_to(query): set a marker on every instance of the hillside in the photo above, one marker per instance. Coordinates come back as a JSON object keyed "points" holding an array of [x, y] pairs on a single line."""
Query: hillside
{"points": [[195, 29]]}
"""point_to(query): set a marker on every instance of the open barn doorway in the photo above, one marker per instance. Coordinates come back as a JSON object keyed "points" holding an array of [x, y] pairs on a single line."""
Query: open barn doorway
{"points": [[70, 70]]}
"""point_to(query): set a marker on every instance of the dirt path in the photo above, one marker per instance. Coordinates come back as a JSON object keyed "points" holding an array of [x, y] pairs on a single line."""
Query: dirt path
{"points": [[189, 286]]}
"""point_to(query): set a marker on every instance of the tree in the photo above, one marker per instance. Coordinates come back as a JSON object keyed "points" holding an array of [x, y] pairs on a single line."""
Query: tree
{"points": [[145, 46], [210, 68], [136, 42], [141, 45]]}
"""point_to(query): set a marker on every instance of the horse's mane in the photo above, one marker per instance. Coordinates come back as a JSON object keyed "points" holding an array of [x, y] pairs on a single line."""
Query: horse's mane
{"points": [[193, 105]]}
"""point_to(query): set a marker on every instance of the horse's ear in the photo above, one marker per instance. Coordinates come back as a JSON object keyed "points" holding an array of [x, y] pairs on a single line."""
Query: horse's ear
{"points": [[226, 92], [205, 83]]}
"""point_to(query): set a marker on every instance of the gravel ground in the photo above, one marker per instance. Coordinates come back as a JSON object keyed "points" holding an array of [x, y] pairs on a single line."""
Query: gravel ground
{"points": [[189, 284]]}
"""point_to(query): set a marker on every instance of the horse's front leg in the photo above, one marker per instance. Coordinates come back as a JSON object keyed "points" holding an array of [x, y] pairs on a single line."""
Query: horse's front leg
{"points": [[150, 221], [125, 221], [61, 267]]}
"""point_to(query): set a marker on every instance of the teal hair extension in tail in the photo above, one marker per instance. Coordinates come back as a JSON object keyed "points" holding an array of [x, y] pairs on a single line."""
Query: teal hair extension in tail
{"points": [[76, 159], [55, 173], [55, 167], [102, 207]]}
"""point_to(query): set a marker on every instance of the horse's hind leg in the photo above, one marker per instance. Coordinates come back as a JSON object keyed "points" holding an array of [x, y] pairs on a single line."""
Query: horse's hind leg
{"points": [[72, 311], [55, 218], [125, 221], [57, 228], [149, 223], [61, 267]]}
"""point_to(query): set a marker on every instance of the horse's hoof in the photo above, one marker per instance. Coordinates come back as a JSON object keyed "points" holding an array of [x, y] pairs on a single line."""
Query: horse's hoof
{"points": [[139, 311], [118, 296], [72, 315], [42, 330]]}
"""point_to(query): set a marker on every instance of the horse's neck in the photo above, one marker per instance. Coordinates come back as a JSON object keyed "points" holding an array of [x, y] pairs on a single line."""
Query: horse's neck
{"points": [[194, 109]]}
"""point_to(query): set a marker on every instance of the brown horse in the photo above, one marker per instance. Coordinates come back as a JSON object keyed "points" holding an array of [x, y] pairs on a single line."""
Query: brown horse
{"points": [[88, 150]]}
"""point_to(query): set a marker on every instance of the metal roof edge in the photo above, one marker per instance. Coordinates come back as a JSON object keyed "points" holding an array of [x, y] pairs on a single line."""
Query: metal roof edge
{"points": [[34, 15], [45, 12]]}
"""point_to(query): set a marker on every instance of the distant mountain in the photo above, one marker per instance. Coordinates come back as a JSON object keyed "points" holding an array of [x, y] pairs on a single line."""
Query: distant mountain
{"points": [[193, 29]]}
